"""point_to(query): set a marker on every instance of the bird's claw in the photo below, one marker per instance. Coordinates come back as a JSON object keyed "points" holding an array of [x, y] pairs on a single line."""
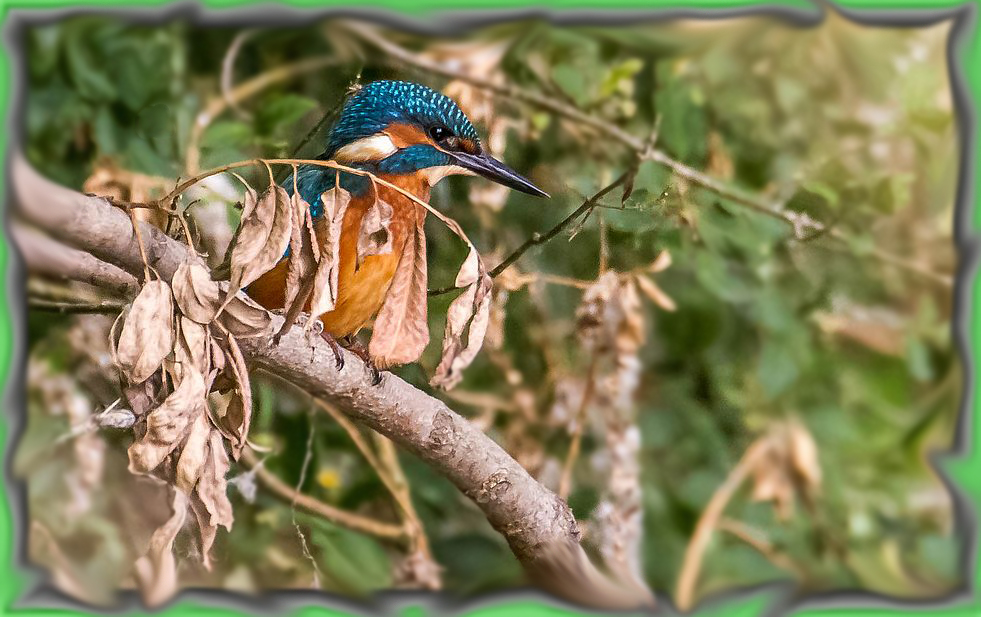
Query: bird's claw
{"points": [[356, 347], [335, 347]]}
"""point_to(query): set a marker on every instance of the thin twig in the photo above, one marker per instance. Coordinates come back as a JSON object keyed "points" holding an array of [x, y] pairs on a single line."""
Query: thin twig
{"points": [[105, 307], [307, 457], [370, 35], [692, 564], [228, 72], [541, 238], [570, 460], [245, 90], [350, 520]]}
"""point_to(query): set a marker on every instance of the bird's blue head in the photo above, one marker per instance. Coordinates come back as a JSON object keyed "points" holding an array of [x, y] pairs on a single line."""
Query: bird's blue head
{"points": [[398, 127]]}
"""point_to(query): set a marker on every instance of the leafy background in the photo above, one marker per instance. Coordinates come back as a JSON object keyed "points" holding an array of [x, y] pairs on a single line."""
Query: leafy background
{"points": [[845, 334]]}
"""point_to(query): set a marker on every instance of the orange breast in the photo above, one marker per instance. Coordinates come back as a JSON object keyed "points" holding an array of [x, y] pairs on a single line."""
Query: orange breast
{"points": [[361, 291]]}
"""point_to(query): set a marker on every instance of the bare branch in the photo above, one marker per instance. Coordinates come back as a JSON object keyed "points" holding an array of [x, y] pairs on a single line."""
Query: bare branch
{"points": [[48, 257], [343, 518], [538, 525]]}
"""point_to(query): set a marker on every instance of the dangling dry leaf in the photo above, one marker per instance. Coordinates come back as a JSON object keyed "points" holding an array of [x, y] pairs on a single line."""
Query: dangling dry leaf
{"points": [[156, 571], [213, 487], [244, 318], [304, 252], [468, 315], [374, 236], [147, 336], [401, 330], [323, 296], [194, 345], [167, 425], [196, 294], [261, 239], [206, 531], [198, 297], [193, 454], [788, 467], [804, 456], [238, 414]]}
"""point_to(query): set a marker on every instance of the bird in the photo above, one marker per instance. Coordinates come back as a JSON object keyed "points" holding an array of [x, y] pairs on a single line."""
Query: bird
{"points": [[411, 136]]}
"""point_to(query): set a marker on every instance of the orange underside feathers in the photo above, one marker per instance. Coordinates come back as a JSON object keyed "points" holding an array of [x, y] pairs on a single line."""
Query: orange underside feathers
{"points": [[361, 291]]}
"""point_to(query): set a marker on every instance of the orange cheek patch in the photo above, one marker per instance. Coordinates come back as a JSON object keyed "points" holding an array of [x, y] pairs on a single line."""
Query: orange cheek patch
{"points": [[405, 135], [469, 146]]}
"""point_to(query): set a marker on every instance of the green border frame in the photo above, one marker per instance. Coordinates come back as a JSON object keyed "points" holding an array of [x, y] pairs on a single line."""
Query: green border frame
{"points": [[963, 468]]}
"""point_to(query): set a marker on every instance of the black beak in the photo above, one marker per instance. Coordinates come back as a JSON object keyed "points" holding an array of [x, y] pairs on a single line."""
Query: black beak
{"points": [[492, 169]]}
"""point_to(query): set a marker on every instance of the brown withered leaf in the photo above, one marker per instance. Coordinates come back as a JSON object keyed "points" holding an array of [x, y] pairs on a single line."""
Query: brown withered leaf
{"points": [[468, 316], [244, 318], [198, 297], [213, 487], [374, 236], [194, 345], [147, 335], [261, 239], [304, 251], [238, 414], [401, 330], [206, 531], [167, 425], [323, 295], [196, 294], [193, 454], [156, 570]]}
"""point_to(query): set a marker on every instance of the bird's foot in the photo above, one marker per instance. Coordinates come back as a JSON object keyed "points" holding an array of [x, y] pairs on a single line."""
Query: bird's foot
{"points": [[335, 347], [355, 346]]}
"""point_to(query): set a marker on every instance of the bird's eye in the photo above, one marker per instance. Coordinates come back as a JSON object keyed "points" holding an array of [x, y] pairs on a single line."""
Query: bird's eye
{"points": [[439, 133]]}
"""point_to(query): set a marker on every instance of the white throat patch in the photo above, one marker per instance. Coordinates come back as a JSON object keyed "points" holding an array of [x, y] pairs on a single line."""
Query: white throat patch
{"points": [[435, 174], [374, 148]]}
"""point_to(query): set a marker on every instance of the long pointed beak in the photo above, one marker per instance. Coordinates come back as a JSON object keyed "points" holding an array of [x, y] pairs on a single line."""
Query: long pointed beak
{"points": [[492, 169]]}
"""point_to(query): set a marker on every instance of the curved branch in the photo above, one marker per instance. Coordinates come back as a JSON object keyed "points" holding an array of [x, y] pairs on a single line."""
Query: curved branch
{"points": [[538, 525]]}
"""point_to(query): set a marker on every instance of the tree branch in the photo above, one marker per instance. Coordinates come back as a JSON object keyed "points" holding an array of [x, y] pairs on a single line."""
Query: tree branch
{"points": [[538, 525], [48, 257], [798, 221]]}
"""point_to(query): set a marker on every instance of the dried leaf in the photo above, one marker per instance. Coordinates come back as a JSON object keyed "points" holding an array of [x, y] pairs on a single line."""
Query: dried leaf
{"points": [[193, 454], [244, 318], [213, 487], [156, 571], [196, 294], [194, 345], [167, 425], [198, 297], [206, 531], [468, 315], [261, 239], [147, 335], [238, 415], [374, 236], [304, 251], [401, 330], [323, 296]]}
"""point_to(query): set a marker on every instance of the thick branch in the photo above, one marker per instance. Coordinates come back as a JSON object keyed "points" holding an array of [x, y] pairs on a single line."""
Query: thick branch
{"points": [[537, 524], [49, 257]]}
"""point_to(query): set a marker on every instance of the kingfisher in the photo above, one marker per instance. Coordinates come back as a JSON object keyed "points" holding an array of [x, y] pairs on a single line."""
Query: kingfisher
{"points": [[411, 136]]}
